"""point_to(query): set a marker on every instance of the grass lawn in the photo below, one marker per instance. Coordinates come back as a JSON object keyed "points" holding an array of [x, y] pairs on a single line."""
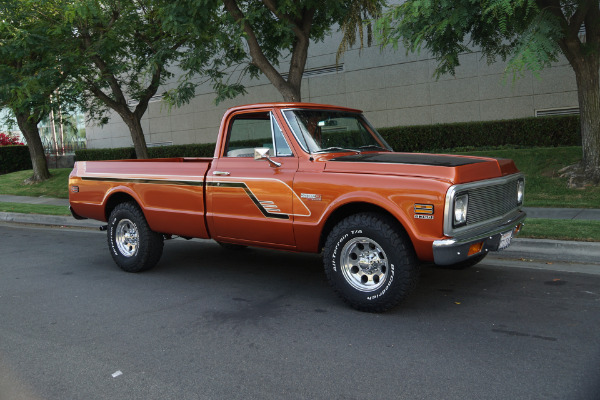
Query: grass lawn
{"points": [[561, 229], [34, 209], [56, 186], [543, 186]]}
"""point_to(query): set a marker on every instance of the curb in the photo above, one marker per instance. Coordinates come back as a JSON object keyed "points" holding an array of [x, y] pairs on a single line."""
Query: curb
{"points": [[521, 248], [552, 250], [49, 220]]}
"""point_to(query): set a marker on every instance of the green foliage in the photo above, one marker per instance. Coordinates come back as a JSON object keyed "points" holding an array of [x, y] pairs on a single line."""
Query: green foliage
{"points": [[126, 153], [128, 49], [183, 150], [274, 31], [526, 132], [14, 158], [121, 153], [518, 31], [33, 59]]}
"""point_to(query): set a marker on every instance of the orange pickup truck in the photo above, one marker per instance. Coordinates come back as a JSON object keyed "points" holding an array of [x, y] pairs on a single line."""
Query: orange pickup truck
{"points": [[310, 178]]}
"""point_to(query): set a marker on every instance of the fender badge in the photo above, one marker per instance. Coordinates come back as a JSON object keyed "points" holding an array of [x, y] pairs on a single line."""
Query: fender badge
{"points": [[421, 216], [310, 196]]}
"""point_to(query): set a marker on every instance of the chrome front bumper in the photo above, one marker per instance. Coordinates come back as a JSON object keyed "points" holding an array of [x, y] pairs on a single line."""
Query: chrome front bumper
{"points": [[454, 250]]}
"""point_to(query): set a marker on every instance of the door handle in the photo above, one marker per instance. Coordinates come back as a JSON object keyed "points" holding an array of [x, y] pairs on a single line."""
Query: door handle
{"points": [[221, 173]]}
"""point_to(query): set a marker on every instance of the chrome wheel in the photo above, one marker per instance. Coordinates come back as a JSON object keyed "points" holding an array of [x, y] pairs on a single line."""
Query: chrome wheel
{"points": [[127, 238], [364, 264]]}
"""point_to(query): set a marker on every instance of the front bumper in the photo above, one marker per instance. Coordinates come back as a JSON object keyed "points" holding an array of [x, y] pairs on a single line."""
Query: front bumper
{"points": [[454, 250]]}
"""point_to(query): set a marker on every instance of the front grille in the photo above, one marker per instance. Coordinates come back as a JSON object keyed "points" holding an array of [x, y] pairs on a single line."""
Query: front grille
{"points": [[491, 202]]}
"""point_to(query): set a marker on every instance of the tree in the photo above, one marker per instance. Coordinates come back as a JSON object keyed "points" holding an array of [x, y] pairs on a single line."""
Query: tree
{"points": [[127, 49], [530, 34], [30, 72], [271, 28]]}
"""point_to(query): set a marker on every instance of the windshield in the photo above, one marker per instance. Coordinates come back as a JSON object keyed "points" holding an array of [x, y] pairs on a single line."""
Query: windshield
{"points": [[324, 131]]}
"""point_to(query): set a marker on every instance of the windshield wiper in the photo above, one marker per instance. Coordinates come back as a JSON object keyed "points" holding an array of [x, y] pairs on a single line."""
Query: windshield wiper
{"points": [[374, 146], [334, 149]]}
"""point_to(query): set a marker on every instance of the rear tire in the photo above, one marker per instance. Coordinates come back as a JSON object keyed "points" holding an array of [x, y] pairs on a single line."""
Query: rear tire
{"points": [[370, 262], [133, 245]]}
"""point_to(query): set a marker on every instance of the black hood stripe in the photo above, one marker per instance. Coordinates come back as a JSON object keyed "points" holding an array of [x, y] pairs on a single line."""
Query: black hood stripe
{"points": [[402, 158]]}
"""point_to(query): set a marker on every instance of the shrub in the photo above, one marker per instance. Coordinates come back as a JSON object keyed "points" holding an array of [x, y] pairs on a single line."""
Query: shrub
{"points": [[8, 140], [14, 158], [526, 132], [182, 150], [126, 153], [121, 153]]}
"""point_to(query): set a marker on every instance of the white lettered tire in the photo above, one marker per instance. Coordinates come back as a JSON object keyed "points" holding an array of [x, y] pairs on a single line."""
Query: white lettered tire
{"points": [[370, 262], [133, 245]]}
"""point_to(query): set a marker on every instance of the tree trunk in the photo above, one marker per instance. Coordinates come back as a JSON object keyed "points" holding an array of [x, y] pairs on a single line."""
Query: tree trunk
{"points": [[137, 135], [290, 89], [290, 93], [30, 130], [588, 88]]}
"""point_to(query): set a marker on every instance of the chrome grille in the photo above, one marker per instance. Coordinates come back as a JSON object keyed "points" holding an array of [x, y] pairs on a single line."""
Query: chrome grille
{"points": [[491, 202]]}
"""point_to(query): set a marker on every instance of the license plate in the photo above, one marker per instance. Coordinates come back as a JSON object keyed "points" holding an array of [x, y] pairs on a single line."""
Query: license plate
{"points": [[505, 240]]}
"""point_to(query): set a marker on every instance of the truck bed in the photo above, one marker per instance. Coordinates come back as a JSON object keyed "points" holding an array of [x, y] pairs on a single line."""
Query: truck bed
{"points": [[170, 191]]}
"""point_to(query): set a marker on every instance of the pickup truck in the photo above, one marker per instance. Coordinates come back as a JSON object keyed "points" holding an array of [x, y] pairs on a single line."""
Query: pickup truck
{"points": [[309, 178]]}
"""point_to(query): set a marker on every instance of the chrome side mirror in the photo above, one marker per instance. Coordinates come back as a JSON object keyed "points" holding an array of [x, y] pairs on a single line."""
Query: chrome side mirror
{"points": [[263, 153]]}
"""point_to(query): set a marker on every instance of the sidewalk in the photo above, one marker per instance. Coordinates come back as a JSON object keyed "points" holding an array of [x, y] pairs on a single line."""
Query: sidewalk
{"points": [[521, 248]]}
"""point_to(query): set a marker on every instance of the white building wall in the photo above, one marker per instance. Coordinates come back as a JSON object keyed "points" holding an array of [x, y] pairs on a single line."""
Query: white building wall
{"points": [[392, 88]]}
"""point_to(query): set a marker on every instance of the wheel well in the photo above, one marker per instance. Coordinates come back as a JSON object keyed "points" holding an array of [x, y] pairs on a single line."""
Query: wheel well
{"points": [[115, 200], [354, 208]]}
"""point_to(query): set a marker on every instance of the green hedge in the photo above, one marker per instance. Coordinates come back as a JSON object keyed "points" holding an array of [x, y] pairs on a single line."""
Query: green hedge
{"points": [[526, 132], [14, 158], [125, 153]]}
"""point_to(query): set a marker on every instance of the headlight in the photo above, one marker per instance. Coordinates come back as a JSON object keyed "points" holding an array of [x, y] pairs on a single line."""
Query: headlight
{"points": [[460, 210], [520, 191]]}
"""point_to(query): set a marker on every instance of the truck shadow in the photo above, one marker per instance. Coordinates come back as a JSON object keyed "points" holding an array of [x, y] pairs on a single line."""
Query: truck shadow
{"points": [[285, 274]]}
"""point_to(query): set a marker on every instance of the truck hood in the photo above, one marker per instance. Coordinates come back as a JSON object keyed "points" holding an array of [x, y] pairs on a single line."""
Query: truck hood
{"points": [[454, 169]]}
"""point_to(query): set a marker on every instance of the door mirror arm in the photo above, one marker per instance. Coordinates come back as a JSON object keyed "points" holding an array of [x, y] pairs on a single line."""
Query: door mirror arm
{"points": [[263, 153]]}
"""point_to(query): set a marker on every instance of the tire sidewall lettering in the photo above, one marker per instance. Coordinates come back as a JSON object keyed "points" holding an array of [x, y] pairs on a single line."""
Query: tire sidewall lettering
{"points": [[385, 289], [111, 233], [335, 263]]}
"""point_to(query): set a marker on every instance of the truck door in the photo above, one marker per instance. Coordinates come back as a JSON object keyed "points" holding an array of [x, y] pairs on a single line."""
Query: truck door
{"points": [[251, 201]]}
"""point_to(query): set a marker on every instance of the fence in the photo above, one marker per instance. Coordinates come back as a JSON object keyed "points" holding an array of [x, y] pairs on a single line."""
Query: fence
{"points": [[69, 146]]}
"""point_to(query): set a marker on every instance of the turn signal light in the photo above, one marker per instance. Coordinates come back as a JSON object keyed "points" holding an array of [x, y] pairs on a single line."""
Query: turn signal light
{"points": [[475, 248], [518, 228]]}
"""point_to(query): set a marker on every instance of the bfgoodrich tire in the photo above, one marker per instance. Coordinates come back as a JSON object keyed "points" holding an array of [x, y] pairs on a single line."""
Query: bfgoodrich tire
{"points": [[133, 245], [370, 262]]}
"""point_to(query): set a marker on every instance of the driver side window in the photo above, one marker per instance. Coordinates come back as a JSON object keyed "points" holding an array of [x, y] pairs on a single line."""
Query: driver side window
{"points": [[252, 130]]}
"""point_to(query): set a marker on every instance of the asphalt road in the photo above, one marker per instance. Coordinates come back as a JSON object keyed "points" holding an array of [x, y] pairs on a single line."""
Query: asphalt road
{"points": [[208, 323]]}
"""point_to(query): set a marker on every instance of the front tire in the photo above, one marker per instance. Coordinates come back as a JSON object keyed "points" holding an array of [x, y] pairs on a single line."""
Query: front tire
{"points": [[370, 262], [133, 245]]}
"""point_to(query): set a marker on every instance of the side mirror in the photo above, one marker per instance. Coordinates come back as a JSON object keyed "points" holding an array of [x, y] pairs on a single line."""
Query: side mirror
{"points": [[263, 153]]}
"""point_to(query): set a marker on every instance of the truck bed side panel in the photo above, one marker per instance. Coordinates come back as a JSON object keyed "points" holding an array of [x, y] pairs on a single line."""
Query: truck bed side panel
{"points": [[170, 192]]}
